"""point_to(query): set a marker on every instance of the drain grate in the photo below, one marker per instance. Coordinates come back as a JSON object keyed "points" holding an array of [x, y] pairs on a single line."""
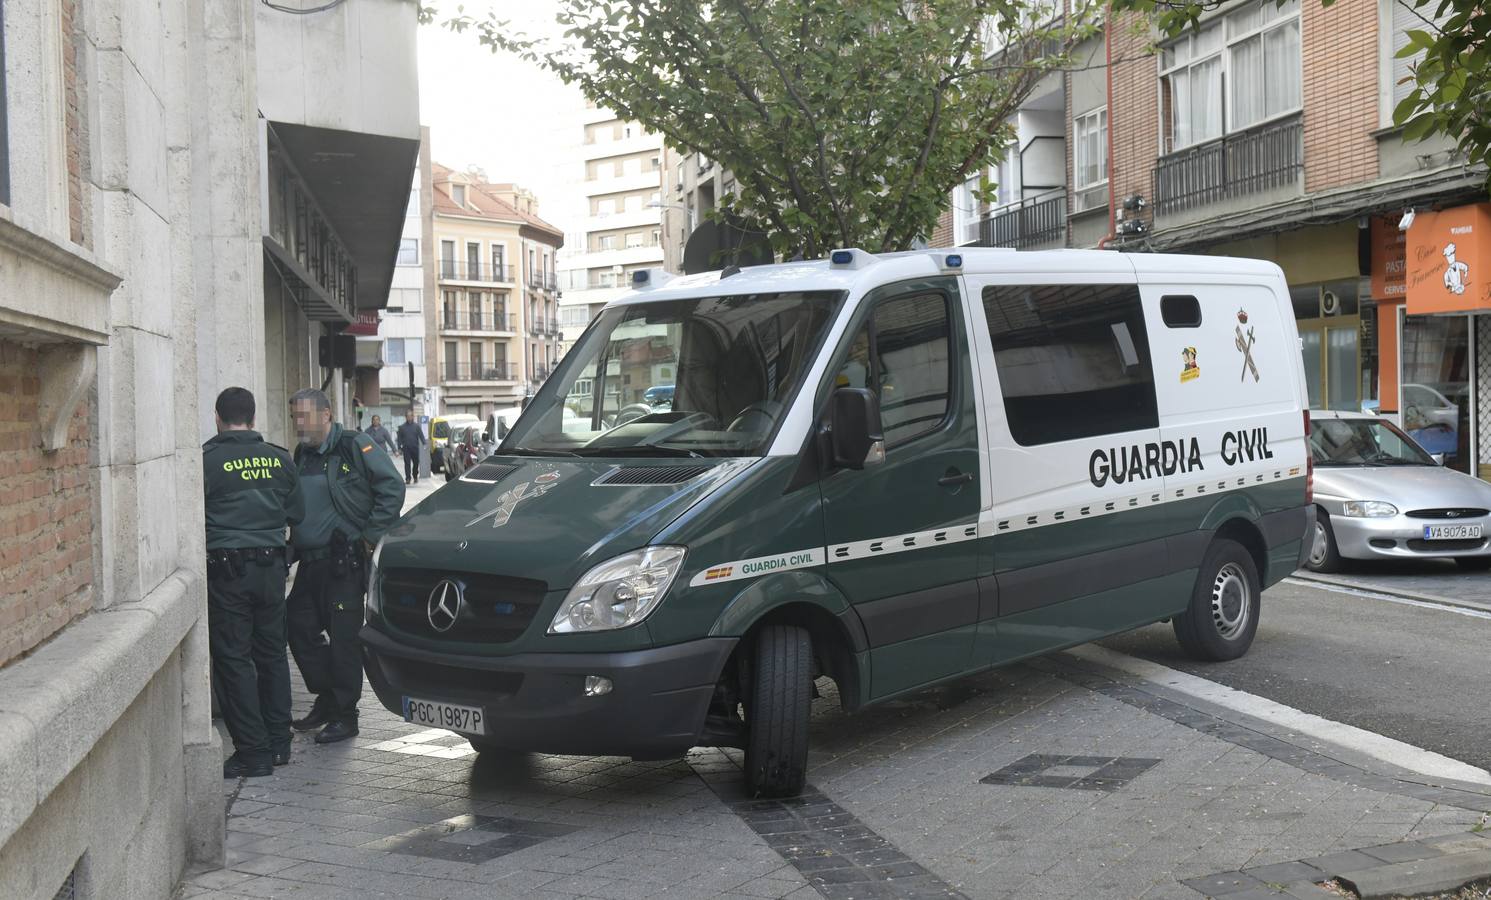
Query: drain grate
{"points": [[1087, 773]]}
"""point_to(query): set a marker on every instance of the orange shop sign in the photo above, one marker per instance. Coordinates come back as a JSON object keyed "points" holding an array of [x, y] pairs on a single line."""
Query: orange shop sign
{"points": [[1449, 260], [1389, 259]]}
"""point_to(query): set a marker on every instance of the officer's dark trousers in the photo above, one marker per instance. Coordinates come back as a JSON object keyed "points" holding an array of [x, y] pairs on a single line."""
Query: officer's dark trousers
{"points": [[321, 601], [411, 463], [251, 674]]}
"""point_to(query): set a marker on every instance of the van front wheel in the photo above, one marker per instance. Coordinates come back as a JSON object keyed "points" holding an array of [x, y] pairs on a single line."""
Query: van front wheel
{"points": [[776, 757], [1223, 615]]}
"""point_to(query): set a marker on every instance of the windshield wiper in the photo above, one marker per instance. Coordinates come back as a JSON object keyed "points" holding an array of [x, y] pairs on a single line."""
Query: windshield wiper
{"points": [[530, 451], [642, 450]]}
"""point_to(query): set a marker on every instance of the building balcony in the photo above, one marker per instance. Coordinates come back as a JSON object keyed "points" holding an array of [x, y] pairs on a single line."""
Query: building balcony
{"points": [[456, 270], [543, 281], [455, 372], [1259, 159], [476, 320], [1030, 223]]}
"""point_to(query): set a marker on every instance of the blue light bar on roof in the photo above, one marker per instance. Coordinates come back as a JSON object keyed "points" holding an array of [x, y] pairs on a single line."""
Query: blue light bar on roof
{"points": [[841, 257], [952, 261], [639, 277]]}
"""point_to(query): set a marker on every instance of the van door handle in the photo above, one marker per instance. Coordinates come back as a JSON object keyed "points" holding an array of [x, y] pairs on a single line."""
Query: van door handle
{"points": [[953, 478]]}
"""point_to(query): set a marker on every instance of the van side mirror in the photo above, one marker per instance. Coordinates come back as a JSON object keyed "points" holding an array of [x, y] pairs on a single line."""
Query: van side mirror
{"points": [[855, 432], [1438, 459]]}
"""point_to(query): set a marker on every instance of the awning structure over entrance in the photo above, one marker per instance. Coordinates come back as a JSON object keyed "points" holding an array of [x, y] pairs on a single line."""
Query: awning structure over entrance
{"points": [[359, 186]]}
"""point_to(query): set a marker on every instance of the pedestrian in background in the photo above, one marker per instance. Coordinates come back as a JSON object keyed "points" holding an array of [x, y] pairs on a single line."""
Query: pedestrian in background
{"points": [[251, 492], [411, 437], [380, 436], [352, 496]]}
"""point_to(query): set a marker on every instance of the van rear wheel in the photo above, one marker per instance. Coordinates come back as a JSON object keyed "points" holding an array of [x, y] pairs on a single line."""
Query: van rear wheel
{"points": [[1222, 618], [781, 689]]}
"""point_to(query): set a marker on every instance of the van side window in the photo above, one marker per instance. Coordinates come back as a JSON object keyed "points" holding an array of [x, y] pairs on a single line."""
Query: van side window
{"points": [[910, 368], [1073, 360]]}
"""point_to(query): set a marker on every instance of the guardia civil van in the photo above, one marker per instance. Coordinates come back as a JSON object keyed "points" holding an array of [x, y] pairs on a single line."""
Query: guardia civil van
{"points": [[887, 471]]}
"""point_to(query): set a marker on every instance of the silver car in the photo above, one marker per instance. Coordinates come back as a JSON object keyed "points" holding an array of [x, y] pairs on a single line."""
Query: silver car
{"points": [[1381, 496]]}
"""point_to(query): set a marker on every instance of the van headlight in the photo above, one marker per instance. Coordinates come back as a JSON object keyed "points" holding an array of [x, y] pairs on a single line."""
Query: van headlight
{"points": [[618, 592], [374, 605], [1369, 509]]}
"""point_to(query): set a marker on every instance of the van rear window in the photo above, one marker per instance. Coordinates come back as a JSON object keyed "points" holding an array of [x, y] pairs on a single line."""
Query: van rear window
{"points": [[1073, 360]]}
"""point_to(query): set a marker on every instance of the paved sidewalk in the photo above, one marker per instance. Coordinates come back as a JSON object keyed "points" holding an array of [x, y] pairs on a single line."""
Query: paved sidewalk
{"points": [[1039, 781], [1435, 581]]}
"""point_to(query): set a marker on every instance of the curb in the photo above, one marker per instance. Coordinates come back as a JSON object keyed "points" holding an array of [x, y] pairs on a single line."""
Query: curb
{"points": [[1306, 575], [1405, 869]]}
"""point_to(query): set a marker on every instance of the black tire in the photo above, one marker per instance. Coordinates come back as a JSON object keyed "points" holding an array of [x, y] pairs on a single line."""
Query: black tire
{"points": [[776, 757], [1222, 618], [1473, 563], [1324, 556]]}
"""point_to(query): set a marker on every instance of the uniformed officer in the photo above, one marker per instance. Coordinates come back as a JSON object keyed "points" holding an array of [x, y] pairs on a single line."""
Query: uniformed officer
{"points": [[252, 492], [352, 495]]}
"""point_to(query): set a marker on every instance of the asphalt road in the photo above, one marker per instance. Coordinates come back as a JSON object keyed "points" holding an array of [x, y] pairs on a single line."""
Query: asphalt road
{"points": [[1420, 675]]}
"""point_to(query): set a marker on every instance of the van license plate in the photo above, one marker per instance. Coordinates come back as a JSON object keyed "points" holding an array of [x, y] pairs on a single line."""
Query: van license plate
{"points": [[1451, 532], [465, 719]]}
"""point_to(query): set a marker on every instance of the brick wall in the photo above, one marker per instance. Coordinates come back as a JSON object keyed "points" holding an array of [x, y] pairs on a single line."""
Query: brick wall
{"points": [[76, 147], [46, 513], [1134, 117], [1340, 58], [942, 235]]}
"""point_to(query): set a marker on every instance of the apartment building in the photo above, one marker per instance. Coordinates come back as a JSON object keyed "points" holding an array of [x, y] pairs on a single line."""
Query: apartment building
{"points": [[619, 168], [1267, 133], [182, 208], [497, 321]]}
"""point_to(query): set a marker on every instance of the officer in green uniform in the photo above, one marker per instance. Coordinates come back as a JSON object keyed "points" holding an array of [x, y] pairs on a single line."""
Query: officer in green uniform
{"points": [[353, 494], [252, 492]]}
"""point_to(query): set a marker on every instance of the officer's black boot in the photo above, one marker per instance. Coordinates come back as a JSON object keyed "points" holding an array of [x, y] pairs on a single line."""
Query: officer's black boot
{"points": [[319, 715], [237, 767], [340, 730]]}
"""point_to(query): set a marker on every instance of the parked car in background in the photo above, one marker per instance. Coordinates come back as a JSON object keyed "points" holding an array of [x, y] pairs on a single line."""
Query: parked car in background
{"points": [[499, 423], [462, 451], [1380, 495], [441, 429]]}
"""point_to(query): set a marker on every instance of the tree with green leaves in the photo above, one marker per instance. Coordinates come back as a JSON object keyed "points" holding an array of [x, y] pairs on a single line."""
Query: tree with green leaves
{"points": [[1452, 82], [845, 124]]}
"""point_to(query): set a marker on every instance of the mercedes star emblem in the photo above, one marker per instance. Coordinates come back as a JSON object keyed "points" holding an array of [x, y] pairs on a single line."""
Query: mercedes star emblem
{"points": [[445, 605]]}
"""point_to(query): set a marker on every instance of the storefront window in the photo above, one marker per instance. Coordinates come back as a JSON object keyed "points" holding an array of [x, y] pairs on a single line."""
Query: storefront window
{"points": [[1436, 407]]}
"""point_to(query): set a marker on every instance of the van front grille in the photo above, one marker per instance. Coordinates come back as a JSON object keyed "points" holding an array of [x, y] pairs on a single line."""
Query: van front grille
{"points": [[495, 608]]}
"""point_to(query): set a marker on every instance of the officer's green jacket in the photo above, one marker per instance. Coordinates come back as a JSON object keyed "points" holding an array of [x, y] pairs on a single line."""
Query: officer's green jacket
{"points": [[366, 488], [252, 491]]}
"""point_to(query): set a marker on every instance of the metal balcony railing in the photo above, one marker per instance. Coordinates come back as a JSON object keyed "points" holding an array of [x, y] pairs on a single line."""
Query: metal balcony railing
{"points": [[1039, 220], [1261, 158], [465, 371], [456, 270], [475, 320]]}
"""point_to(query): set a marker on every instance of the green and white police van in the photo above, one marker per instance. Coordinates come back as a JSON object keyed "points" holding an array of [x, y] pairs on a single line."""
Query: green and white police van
{"points": [[888, 471]]}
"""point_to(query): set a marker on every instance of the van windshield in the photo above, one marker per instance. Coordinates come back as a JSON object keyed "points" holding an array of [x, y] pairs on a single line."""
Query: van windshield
{"points": [[730, 366]]}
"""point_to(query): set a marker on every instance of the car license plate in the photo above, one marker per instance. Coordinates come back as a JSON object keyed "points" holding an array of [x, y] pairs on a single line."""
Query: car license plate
{"points": [[1451, 532], [465, 719]]}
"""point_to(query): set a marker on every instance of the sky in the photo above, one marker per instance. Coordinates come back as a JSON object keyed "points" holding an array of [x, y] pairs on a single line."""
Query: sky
{"points": [[499, 112]]}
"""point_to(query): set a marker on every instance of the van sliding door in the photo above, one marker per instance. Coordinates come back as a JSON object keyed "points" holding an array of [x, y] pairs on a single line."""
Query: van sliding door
{"points": [[1077, 463]]}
